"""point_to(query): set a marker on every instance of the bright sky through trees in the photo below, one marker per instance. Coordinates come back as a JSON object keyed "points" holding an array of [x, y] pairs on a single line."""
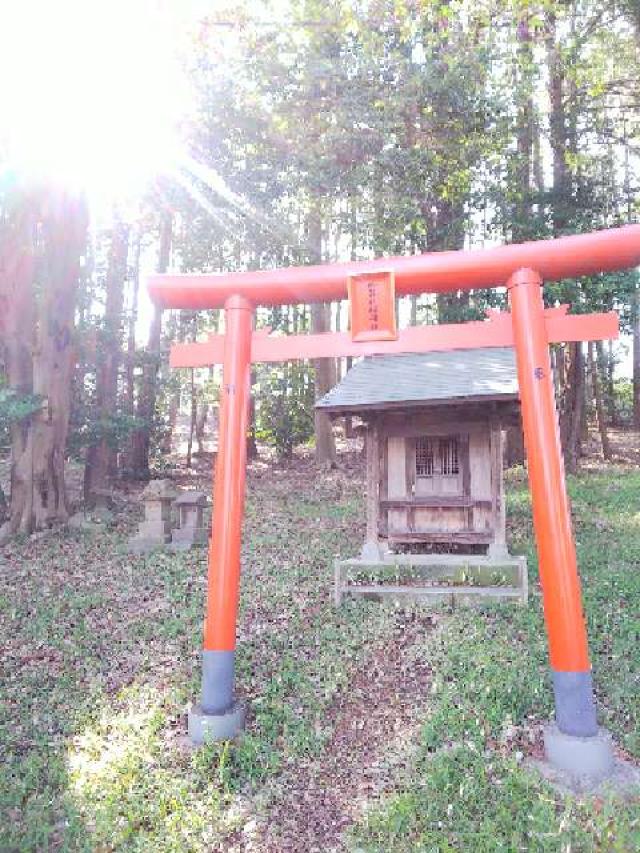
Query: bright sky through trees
{"points": [[91, 92]]}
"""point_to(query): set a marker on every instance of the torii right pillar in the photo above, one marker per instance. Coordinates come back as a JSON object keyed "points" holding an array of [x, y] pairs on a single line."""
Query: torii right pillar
{"points": [[574, 744]]}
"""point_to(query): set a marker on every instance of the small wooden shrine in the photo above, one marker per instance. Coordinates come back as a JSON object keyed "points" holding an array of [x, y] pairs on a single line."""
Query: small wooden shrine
{"points": [[434, 440]]}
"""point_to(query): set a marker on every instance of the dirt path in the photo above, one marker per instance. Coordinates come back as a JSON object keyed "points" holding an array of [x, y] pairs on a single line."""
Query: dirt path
{"points": [[374, 729]]}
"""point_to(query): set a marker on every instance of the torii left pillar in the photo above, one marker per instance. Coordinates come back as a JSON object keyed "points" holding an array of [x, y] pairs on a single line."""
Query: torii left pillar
{"points": [[220, 716]]}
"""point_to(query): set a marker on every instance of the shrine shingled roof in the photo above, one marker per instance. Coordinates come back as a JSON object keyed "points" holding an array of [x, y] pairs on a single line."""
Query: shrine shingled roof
{"points": [[385, 381]]}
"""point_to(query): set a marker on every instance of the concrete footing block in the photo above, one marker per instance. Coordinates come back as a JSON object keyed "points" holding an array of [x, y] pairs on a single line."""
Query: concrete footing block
{"points": [[586, 766], [215, 727], [588, 758]]}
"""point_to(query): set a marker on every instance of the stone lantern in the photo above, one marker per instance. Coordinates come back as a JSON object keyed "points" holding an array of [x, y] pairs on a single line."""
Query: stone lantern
{"points": [[155, 530], [192, 529]]}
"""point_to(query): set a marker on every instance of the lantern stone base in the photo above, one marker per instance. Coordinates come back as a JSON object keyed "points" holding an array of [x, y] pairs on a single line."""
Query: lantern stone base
{"points": [[214, 727], [182, 540], [141, 543]]}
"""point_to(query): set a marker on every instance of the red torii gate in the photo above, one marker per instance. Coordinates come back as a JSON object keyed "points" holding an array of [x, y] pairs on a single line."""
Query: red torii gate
{"points": [[574, 743]]}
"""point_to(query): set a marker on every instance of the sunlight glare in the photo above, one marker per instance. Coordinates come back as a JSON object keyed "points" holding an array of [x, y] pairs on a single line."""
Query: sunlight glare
{"points": [[90, 92]]}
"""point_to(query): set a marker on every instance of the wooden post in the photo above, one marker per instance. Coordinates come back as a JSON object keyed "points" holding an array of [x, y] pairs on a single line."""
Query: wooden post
{"points": [[371, 547], [498, 547]]}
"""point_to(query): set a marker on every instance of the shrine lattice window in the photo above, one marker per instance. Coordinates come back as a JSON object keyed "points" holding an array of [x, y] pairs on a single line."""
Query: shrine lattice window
{"points": [[437, 456]]}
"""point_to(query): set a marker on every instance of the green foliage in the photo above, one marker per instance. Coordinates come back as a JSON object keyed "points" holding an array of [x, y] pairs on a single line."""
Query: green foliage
{"points": [[470, 801], [87, 430], [404, 126], [623, 395], [284, 412], [284, 393], [15, 407]]}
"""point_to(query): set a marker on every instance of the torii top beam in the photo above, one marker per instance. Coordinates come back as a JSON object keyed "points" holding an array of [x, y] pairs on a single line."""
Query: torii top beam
{"points": [[437, 272]]}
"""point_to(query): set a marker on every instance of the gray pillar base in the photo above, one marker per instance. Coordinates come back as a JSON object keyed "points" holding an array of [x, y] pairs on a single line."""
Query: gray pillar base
{"points": [[218, 668], [205, 728], [589, 758], [575, 705]]}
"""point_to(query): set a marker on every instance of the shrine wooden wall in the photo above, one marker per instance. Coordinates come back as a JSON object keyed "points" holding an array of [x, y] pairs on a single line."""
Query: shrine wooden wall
{"points": [[450, 491]]}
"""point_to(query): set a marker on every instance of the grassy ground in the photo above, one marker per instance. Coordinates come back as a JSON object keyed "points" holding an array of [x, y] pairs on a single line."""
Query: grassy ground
{"points": [[371, 728]]}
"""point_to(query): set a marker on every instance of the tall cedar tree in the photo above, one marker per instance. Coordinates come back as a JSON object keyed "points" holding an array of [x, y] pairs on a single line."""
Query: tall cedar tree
{"points": [[42, 242]]}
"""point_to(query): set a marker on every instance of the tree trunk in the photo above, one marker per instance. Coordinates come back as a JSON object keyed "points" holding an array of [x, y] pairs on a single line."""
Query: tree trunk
{"points": [[608, 394], [449, 234], [174, 408], [324, 381], [524, 132], [413, 316], [252, 445], [176, 397], [17, 262], [131, 332], [130, 361], [193, 415], [4, 507], [201, 423], [193, 397], [563, 140], [537, 164], [574, 409], [610, 381], [141, 438], [324, 367], [40, 353], [597, 396], [564, 399], [558, 128], [636, 359], [101, 460], [561, 368]]}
